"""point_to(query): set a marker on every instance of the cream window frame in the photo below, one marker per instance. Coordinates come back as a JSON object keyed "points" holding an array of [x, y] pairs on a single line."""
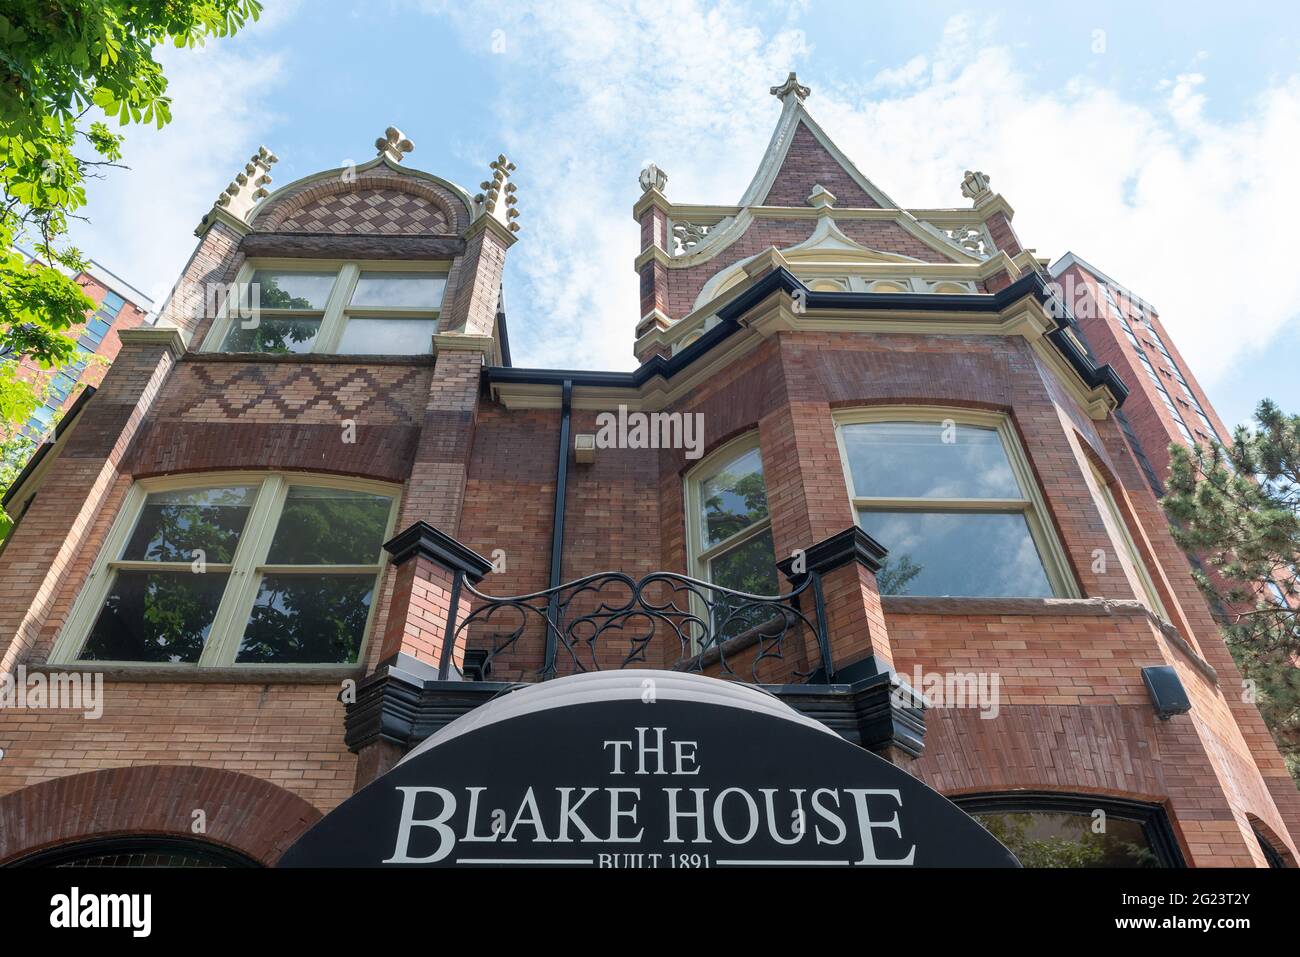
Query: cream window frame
{"points": [[338, 305], [699, 556], [1126, 548], [247, 566], [1056, 565]]}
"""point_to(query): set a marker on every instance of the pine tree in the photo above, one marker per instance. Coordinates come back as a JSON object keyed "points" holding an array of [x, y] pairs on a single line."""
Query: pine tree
{"points": [[1239, 509]]}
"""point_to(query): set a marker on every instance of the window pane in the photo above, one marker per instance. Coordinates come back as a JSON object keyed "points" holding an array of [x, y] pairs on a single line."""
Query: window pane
{"points": [[155, 616], [417, 289], [732, 498], [957, 553], [307, 619], [365, 335], [173, 524], [325, 526], [927, 460], [1041, 839], [272, 335], [748, 567], [292, 290]]}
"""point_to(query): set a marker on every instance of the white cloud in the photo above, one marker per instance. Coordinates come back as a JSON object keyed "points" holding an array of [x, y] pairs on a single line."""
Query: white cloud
{"points": [[143, 218], [1172, 203]]}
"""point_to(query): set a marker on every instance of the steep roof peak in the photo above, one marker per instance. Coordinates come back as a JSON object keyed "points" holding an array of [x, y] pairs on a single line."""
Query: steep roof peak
{"points": [[800, 155]]}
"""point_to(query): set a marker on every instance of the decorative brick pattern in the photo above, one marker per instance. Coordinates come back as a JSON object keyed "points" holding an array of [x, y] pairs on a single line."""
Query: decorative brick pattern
{"points": [[338, 204], [367, 211], [216, 391]]}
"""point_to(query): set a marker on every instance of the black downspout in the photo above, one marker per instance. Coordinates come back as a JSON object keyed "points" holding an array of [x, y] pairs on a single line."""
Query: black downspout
{"points": [[557, 530]]}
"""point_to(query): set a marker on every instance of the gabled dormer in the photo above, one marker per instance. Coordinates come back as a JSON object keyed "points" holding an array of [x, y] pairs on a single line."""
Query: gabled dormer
{"points": [[831, 225]]}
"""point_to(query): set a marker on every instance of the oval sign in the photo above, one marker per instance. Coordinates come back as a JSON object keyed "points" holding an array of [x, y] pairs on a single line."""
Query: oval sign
{"points": [[650, 769]]}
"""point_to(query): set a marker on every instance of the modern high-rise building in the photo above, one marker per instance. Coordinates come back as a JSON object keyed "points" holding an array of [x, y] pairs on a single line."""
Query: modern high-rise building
{"points": [[315, 517]]}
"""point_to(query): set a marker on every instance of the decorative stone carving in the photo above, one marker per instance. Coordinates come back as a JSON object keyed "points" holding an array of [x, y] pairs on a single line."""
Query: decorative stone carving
{"points": [[394, 144], [249, 185], [969, 238], [789, 87], [687, 236], [652, 177], [821, 197], [498, 197], [975, 186]]}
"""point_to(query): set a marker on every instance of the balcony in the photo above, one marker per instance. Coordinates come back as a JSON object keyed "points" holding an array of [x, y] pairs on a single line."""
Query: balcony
{"points": [[459, 645]]}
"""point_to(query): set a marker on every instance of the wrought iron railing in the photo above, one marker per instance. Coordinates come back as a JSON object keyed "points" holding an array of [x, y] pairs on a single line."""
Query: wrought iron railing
{"points": [[612, 620]]}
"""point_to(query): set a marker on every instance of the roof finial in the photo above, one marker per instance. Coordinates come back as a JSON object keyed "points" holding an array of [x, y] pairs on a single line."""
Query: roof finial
{"points": [[498, 196], [249, 184], [975, 186], [791, 85], [394, 144], [652, 177]]}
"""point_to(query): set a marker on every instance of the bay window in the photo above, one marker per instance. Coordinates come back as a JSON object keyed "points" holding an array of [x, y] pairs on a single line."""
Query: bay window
{"points": [[249, 569], [342, 308], [1130, 559], [729, 532], [950, 495]]}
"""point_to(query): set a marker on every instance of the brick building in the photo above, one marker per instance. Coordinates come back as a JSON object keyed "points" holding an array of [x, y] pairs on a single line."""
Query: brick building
{"points": [[118, 306], [282, 533]]}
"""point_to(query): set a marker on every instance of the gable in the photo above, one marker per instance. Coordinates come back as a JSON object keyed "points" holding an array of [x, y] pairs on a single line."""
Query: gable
{"points": [[807, 164]]}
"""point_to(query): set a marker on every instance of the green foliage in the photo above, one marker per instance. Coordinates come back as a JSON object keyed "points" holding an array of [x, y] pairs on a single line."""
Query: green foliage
{"points": [[1239, 508], [59, 59], [1068, 840]]}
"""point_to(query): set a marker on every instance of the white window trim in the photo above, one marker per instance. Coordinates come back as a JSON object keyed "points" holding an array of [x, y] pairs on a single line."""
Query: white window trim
{"points": [[1146, 587], [338, 306], [1055, 564], [245, 568], [699, 557]]}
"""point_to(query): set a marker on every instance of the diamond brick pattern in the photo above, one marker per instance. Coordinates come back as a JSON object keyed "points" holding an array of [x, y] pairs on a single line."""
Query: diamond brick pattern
{"points": [[303, 392], [367, 211]]}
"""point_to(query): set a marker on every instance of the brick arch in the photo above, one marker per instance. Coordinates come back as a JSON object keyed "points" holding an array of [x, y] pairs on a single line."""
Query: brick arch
{"points": [[244, 813], [1276, 843], [382, 203]]}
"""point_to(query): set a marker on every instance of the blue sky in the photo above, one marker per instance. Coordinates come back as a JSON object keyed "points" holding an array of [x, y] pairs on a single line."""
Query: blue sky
{"points": [[1155, 140]]}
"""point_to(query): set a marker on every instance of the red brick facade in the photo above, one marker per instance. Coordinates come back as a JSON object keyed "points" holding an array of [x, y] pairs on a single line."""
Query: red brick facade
{"points": [[476, 458]]}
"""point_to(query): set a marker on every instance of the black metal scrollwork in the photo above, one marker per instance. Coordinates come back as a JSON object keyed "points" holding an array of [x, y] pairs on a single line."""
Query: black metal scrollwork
{"points": [[610, 619]]}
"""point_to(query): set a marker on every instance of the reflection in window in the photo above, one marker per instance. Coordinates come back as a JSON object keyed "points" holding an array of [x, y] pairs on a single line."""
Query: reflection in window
{"points": [[1055, 830], [317, 614], [1040, 839], [732, 535], [375, 311], [945, 500], [302, 594]]}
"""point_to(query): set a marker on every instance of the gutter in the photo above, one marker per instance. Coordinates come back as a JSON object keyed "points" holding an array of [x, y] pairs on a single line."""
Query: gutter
{"points": [[782, 280], [557, 522]]}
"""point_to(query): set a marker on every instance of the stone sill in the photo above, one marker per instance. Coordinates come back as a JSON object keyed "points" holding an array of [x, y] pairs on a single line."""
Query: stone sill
{"points": [[308, 358], [927, 605], [251, 675]]}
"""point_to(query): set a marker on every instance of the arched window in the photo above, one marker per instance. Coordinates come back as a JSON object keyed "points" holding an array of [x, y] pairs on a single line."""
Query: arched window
{"points": [[236, 569], [1046, 829], [138, 851], [728, 532], [949, 493]]}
